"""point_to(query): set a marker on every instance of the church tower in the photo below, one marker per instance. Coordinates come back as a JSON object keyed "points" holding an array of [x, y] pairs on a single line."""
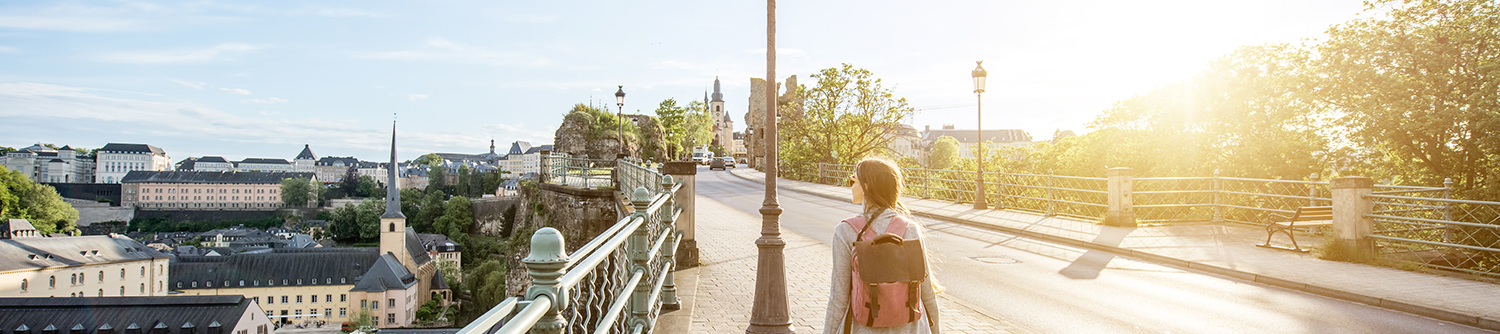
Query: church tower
{"points": [[393, 223], [716, 109]]}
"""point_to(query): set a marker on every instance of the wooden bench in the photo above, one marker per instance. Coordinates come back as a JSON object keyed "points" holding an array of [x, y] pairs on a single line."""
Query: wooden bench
{"points": [[1307, 216]]}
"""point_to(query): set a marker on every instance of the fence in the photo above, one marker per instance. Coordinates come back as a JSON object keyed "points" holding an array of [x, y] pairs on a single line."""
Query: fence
{"points": [[1443, 233], [616, 283], [577, 172], [636, 174], [1079, 197]]}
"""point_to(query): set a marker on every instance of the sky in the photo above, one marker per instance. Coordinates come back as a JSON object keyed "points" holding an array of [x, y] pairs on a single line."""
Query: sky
{"points": [[260, 79]]}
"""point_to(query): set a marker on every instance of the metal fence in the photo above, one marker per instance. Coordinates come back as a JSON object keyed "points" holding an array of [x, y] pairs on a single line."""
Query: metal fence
{"points": [[616, 283], [636, 174], [577, 172], [1079, 197], [1441, 233]]}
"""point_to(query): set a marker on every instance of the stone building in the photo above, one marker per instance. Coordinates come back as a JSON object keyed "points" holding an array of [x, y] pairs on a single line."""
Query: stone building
{"points": [[236, 191], [723, 127], [755, 139], [211, 164], [114, 160], [263, 165], [86, 266], [389, 282], [46, 165], [306, 161], [333, 169]]}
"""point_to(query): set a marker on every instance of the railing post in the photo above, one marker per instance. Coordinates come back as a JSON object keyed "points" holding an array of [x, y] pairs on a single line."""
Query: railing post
{"points": [[669, 288], [1121, 207], [1448, 210], [1350, 225], [545, 264], [1051, 193], [1312, 190], [686, 173], [1218, 205], [636, 247]]}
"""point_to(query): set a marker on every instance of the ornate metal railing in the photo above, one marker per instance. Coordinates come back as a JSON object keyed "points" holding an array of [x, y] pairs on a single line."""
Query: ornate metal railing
{"points": [[577, 172], [1441, 233], [616, 283], [636, 174]]}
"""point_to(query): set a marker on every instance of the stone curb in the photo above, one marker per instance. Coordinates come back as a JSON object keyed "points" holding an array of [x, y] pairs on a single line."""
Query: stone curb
{"points": [[1426, 311]]}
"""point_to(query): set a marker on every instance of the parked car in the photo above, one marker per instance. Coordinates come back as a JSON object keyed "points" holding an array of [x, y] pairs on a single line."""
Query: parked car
{"points": [[729, 162], [717, 163]]}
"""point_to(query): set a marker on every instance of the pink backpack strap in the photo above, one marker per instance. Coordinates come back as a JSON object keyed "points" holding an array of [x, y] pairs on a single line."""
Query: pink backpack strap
{"points": [[858, 223], [897, 226]]}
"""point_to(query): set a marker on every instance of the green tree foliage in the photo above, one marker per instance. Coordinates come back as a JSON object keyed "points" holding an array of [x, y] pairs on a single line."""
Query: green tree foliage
{"points": [[38, 203], [296, 192], [368, 217], [602, 124], [491, 182], [5, 149], [437, 181], [369, 188], [487, 283], [674, 122], [430, 160], [432, 208], [698, 127], [944, 153], [350, 183], [846, 116], [457, 217], [161, 224], [411, 206], [462, 187], [357, 223], [1417, 87]]}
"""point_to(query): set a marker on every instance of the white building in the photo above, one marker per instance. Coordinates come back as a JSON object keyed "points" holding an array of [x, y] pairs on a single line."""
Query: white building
{"points": [[375, 170], [524, 158], [87, 266], [967, 138], [905, 142], [263, 165], [723, 126], [333, 169], [305, 162], [117, 159], [212, 164], [44, 164]]}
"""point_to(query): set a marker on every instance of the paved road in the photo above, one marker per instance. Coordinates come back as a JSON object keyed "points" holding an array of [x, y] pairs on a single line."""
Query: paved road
{"points": [[1059, 289]]}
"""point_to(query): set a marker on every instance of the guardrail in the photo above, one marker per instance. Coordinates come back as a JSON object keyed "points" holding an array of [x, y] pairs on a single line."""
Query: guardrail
{"points": [[1450, 234], [618, 282], [637, 174], [577, 172]]}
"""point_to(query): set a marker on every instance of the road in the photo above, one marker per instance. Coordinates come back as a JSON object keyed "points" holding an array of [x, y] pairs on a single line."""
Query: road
{"points": [[1054, 288]]}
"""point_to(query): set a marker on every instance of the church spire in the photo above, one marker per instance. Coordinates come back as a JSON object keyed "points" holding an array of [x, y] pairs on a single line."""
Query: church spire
{"points": [[392, 195], [718, 97]]}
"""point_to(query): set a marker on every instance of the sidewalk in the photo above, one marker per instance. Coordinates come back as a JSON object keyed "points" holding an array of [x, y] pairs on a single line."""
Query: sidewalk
{"points": [[1223, 250], [717, 295]]}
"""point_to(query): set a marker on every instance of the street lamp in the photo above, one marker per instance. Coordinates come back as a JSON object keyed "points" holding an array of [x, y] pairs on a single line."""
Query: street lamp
{"points": [[979, 74], [620, 117], [770, 312]]}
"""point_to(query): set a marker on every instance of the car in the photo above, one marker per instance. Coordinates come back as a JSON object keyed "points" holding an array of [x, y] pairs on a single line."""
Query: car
{"points": [[717, 163], [728, 162]]}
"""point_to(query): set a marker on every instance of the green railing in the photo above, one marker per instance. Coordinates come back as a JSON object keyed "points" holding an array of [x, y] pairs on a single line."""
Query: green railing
{"points": [[577, 172], [616, 283]]}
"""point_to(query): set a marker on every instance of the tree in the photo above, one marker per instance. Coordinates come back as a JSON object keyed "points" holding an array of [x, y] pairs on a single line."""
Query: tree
{"points": [[673, 121], [462, 187], [846, 116], [370, 188], [488, 282], [296, 192], [344, 225], [944, 153], [432, 208], [437, 180], [23, 199], [1417, 87], [430, 160], [368, 218], [457, 217], [698, 126], [411, 206], [350, 182]]}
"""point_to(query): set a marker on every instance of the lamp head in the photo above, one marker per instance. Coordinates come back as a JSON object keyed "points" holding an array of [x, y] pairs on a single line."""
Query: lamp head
{"points": [[979, 75], [620, 96]]}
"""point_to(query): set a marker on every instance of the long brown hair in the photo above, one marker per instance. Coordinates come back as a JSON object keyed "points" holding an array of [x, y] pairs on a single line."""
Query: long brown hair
{"points": [[881, 181]]}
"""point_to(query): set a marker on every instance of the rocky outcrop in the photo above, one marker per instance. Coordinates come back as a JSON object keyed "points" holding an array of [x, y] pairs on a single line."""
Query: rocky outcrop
{"points": [[591, 133], [579, 214]]}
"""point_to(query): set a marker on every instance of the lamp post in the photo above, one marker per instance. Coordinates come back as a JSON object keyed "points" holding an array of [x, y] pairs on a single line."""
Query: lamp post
{"points": [[620, 117], [979, 74], [770, 313]]}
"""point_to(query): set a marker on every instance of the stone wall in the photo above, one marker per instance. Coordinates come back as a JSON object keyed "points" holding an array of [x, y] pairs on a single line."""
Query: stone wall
{"points": [[756, 116], [579, 214], [489, 214]]}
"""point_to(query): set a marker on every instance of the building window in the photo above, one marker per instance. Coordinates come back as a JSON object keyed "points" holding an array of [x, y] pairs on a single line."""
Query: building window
{"points": [[195, 284], [328, 313], [392, 303], [122, 291], [179, 284], [257, 282], [343, 298], [299, 314], [242, 282], [24, 285], [52, 282], [343, 312], [364, 304], [327, 281], [283, 281], [143, 271], [208, 284], [101, 275], [299, 299], [270, 300], [143, 288], [328, 298], [390, 318], [299, 281], [122, 273], [73, 279], [283, 299]]}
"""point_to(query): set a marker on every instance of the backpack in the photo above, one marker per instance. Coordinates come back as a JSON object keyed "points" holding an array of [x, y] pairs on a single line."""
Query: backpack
{"points": [[887, 276]]}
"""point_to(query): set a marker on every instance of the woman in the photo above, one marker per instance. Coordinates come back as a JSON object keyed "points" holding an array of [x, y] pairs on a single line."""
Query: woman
{"points": [[877, 184]]}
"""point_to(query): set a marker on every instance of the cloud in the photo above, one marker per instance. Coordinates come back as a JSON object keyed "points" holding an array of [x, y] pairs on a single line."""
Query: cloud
{"points": [[519, 132], [273, 100], [194, 85], [236, 91], [443, 50], [7, 49], [64, 23], [529, 18], [412, 97], [337, 12], [178, 55]]}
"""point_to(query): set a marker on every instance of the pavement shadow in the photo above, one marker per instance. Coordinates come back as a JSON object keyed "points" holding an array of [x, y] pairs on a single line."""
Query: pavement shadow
{"points": [[1092, 262]]}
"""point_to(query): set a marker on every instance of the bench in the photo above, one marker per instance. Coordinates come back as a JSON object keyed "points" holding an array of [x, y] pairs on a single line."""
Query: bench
{"points": [[1307, 216]]}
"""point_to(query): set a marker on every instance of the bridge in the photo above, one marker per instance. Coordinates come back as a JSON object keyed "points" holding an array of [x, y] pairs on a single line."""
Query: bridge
{"points": [[1056, 254]]}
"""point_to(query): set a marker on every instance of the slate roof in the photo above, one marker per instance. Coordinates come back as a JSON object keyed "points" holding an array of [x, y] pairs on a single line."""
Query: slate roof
{"points": [[265, 161], [37, 253], [968, 136], [329, 161], [385, 274], [414, 247], [124, 314], [539, 149], [438, 283], [307, 153], [21, 225], [210, 177], [718, 97], [328, 266], [438, 242], [186, 164], [519, 147], [213, 159], [38, 148], [131, 148]]}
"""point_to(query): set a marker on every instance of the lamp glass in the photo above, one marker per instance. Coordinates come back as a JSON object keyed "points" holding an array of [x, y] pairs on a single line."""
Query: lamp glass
{"points": [[620, 96]]}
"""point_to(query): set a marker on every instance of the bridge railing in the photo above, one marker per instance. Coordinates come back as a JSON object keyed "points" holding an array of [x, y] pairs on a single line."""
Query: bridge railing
{"points": [[1444, 233], [1079, 197], [577, 172], [618, 282], [634, 173]]}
